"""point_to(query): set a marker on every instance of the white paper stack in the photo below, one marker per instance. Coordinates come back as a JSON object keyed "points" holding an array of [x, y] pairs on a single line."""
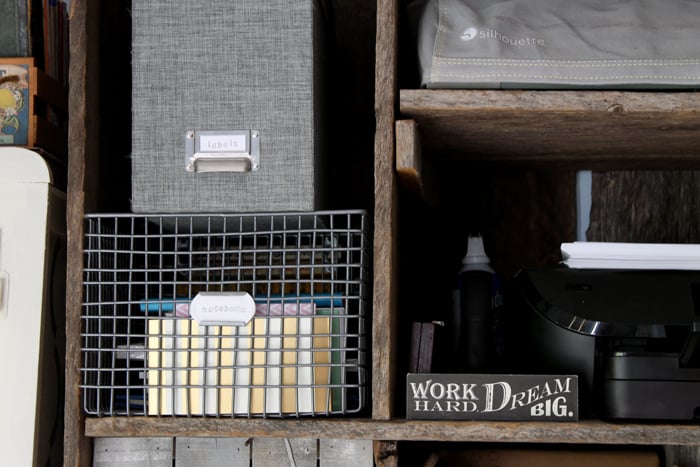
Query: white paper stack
{"points": [[611, 255]]}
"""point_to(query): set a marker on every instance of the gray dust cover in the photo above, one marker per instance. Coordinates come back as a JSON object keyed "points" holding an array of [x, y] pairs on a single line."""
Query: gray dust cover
{"points": [[555, 44]]}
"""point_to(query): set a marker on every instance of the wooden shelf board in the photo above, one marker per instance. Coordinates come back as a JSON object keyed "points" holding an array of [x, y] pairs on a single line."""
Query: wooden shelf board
{"points": [[572, 129], [385, 288], [584, 432]]}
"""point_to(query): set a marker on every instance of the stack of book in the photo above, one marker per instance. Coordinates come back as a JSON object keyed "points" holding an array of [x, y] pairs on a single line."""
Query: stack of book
{"points": [[34, 77], [274, 365], [37, 29]]}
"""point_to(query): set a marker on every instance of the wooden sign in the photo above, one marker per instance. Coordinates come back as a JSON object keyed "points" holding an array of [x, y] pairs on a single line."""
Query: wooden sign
{"points": [[491, 397]]}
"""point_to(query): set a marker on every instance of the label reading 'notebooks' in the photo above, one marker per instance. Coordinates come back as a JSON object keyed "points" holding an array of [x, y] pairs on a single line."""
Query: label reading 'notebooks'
{"points": [[222, 308]]}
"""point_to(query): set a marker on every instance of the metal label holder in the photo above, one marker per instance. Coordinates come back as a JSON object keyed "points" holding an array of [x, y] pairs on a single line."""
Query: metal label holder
{"points": [[222, 151]]}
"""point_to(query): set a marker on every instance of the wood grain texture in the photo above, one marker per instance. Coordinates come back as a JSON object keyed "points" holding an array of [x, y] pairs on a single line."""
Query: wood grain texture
{"points": [[133, 452], [82, 146], [212, 452], [385, 215], [345, 453], [409, 166], [583, 432], [645, 206], [386, 454], [572, 129], [474, 129], [527, 215], [272, 452], [682, 456]]}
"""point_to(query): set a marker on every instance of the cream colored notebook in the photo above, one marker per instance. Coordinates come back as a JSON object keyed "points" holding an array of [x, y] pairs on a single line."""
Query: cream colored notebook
{"points": [[279, 369], [211, 373], [196, 377], [267, 360], [160, 365], [234, 373], [322, 359], [175, 367]]}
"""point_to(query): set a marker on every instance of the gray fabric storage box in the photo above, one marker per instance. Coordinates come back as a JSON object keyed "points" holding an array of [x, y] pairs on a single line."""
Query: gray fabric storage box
{"points": [[560, 44], [250, 71]]}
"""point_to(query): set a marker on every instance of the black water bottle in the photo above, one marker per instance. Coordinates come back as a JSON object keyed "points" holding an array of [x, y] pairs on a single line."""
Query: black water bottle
{"points": [[473, 314]]}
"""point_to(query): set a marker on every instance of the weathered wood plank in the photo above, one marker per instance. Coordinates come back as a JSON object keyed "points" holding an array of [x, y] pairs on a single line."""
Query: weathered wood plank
{"points": [[573, 129], [273, 452], [386, 454], [133, 452], [686, 104], [212, 452], [416, 173], [583, 432], [409, 165], [385, 214], [645, 206], [345, 453], [81, 146], [682, 456], [535, 207]]}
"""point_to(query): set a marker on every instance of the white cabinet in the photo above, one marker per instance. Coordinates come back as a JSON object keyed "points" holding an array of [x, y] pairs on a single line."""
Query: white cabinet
{"points": [[32, 309]]}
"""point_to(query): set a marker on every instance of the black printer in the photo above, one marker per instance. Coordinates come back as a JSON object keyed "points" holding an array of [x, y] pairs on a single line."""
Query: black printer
{"points": [[630, 335]]}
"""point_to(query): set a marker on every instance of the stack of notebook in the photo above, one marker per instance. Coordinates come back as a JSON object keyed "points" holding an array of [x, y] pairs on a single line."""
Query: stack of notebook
{"points": [[272, 365]]}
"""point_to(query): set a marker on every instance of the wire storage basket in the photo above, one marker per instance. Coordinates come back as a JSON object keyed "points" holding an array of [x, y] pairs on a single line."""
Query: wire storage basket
{"points": [[246, 315]]}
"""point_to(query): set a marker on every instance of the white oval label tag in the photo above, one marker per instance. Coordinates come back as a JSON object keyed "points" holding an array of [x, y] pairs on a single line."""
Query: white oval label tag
{"points": [[222, 308]]}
